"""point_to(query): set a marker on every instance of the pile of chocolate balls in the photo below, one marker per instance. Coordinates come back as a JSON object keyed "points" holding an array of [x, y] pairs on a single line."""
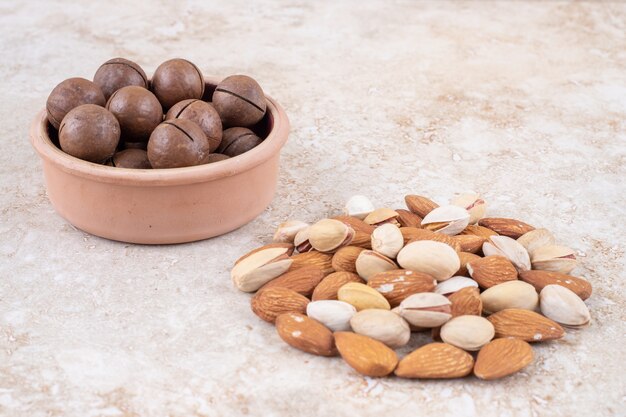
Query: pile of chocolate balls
{"points": [[123, 119]]}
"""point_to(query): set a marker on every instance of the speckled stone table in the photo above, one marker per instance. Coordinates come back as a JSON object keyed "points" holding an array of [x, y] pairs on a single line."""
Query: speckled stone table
{"points": [[524, 102]]}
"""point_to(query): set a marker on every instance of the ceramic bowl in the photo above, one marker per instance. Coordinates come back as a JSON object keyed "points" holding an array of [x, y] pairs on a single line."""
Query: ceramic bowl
{"points": [[161, 206]]}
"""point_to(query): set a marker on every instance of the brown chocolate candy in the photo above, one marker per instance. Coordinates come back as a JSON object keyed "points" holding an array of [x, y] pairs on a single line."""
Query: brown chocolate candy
{"points": [[69, 94], [201, 113], [240, 101], [216, 157], [138, 112], [177, 143], [117, 73], [89, 132], [177, 80], [130, 158], [238, 140]]}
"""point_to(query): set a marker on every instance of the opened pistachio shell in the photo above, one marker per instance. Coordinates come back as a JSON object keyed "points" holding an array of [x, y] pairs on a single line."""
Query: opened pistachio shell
{"points": [[382, 325], [358, 206], [333, 314], [563, 306], [260, 267], [536, 239], [510, 249], [454, 284], [473, 203], [467, 332], [433, 258], [370, 263], [449, 220], [286, 232], [381, 216], [362, 297], [426, 309], [510, 294], [387, 240], [301, 240], [554, 258], [328, 235]]}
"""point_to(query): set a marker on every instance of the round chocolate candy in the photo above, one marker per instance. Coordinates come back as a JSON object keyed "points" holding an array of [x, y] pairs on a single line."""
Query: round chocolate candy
{"points": [[138, 112], [216, 157], [89, 132], [69, 94], [201, 113], [177, 80], [177, 143], [238, 140], [117, 73], [240, 101]]}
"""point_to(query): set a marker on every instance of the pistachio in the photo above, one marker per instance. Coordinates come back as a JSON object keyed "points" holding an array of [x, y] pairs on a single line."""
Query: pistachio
{"points": [[286, 232], [382, 325], [468, 332], [358, 206], [362, 297], [554, 258], [433, 258], [420, 205], [449, 220], [426, 309], [260, 267], [381, 216], [454, 284], [473, 203], [536, 239], [328, 235], [387, 240], [510, 294], [510, 249], [333, 314], [370, 263], [301, 240], [563, 306]]}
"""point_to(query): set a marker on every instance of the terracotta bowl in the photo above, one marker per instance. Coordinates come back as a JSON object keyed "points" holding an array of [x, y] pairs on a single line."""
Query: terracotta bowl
{"points": [[163, 205]]}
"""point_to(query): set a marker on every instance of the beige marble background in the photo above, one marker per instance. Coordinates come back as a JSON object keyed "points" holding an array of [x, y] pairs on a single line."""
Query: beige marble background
{"points": [[523, 101]]}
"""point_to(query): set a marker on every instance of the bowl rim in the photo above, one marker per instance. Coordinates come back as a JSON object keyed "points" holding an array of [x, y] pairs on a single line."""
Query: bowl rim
{"points": [[267, 149]]}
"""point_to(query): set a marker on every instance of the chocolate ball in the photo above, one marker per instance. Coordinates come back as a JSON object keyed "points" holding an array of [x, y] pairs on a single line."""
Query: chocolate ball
{"points": [[89, 132], [138, 112], [130, 158], [201, 113], [177, 80], [216, 157], [69, 94], [177, 143], [240, 101], [238, 140], [117, 73]]}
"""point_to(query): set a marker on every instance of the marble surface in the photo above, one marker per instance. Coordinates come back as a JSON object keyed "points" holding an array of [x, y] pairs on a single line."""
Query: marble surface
{"points": [[523, 101]]}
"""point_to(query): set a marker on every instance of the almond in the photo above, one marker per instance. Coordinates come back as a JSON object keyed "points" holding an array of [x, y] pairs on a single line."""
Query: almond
{"points": [[502, 357], [507, 227], [526, 325], [436, 361], [357, 224], [301, 280], [306, 334], [412, 234], [476, 230], [539, 279], [288, 246], [328, 287], [313, 258], [492, 270], [470, 243], [272, 302], [407, 218], [398, 284], [420, 205], [365, 355], [465, 258], [466, 301], [345, 258], [362, 240]]}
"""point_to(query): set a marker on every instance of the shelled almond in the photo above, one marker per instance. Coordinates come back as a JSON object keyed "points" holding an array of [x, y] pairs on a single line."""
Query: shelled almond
{"points": [[360, 282]]}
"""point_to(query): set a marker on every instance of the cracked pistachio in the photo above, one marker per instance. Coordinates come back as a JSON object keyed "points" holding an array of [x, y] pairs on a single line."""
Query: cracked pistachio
{"points": [[449, 220]]}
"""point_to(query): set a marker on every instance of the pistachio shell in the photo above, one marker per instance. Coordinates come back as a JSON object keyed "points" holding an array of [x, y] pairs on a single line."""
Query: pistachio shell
{"points": [[563, 306], [301, 240], [387, 240], [454, 284], [362, 297], [358, 206], [554, 258], [510, 294], [449, 220], [426, 309], [255, 270], [433, 258], [328, 235], [333, 314], [382, 215], [370, 263], [382, 325], [286, 232], [536, 239], [473, 203], [510, 249], [467, 332]]}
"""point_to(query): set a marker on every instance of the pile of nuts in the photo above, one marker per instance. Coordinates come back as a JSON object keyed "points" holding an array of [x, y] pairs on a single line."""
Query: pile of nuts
{"points": [[362, 282], [126, 120]]}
